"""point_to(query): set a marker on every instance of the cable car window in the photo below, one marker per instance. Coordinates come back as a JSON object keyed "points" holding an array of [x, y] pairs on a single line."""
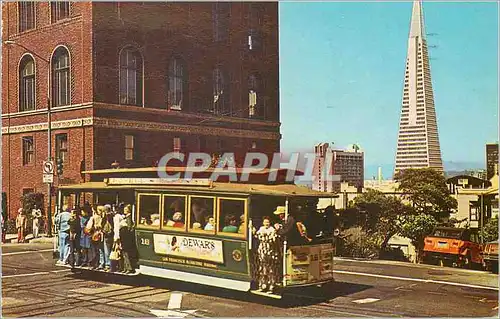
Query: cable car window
{"points": [[174, 212], [149, 211], [232, 220], [202, 214]]}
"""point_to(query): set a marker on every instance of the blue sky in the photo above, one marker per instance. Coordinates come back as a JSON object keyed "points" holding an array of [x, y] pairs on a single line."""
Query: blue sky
{"points": [[342, 67]]}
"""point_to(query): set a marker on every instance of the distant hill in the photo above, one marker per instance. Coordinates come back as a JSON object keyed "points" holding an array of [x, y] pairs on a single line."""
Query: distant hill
{"points": [[452, 168], [371, 170]]}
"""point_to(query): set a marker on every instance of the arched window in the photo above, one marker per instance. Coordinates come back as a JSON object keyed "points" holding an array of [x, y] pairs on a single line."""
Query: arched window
{"points": [[61, 77], [130, 77], [27, 84], [221, 12], [176, 84], [221, 97]]}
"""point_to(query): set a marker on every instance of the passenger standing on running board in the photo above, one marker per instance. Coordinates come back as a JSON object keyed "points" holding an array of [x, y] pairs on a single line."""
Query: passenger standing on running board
{"points": [[61, 222], [127, 240]]}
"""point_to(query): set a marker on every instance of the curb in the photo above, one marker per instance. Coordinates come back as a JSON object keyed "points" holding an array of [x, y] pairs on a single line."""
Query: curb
{"points": [[42, 240], [409, 264], [39, 240]]}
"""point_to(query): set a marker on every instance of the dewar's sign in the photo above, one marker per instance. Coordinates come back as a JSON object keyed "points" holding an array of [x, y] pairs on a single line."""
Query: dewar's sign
{"points": [[189, 247]]}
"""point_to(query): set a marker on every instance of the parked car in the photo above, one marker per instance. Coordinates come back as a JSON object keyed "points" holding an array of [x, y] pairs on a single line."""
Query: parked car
{"points": [[457, 247], [490, 256]]}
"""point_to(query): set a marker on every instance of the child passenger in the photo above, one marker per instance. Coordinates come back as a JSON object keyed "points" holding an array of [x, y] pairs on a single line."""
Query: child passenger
{"points": [[210, 223], [268, 255]]}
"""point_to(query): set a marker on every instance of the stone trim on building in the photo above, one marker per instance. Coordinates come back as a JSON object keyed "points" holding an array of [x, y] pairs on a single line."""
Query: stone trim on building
{"points": [[43, 126], [54, 109], [198, 116], [185, 129], [141, 125]]}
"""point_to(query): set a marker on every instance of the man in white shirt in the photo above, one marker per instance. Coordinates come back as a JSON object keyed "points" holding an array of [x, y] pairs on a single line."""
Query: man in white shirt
{"points": [[117, 219], [37, 214]]}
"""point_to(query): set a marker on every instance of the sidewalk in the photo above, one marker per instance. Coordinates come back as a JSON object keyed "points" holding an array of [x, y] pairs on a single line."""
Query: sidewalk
{"points": [[405, 270], [42, 239]]}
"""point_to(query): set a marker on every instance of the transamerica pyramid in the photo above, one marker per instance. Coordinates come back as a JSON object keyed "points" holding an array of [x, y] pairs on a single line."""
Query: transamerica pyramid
{"points": [[418, 140]]}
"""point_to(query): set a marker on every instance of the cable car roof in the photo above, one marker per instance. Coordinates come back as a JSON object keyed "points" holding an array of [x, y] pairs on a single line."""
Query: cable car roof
{"points": [[286, 190]]}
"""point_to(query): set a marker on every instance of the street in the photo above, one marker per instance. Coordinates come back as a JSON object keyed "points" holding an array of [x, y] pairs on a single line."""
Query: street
{"points": [[33, 286]]}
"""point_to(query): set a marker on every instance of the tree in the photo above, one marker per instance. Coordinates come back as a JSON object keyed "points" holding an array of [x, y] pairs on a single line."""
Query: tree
{"points": [[416, 228], [426, 189], [381, 214], [490, 230]]}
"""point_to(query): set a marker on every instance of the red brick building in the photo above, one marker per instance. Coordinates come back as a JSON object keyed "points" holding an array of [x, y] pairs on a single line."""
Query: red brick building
{"points": [[130, 82]]}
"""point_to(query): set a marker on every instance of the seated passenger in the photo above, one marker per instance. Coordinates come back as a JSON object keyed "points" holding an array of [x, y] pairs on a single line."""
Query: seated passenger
{"points": [[230, 227], [241, 229], [210, 223], [196, 226], [156, 219], [178, 220]]}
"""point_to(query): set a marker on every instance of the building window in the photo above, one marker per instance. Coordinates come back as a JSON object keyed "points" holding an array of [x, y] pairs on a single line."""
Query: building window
{"points": [[178, 144], [176, 84], [220, 13], [129, 147], [26, 15], [130, 77], [220, 93], [253, 40], [27, 191], [27, 84], [202, 143], [252, 96], [61, 77], [59, 10], [254, 22], [473, 213], [28, 150], [62, 147]]}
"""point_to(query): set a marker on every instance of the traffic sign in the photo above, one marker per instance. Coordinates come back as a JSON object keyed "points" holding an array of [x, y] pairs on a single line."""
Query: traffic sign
{"points": [[48, 171], [48, 178], [48, 167]]}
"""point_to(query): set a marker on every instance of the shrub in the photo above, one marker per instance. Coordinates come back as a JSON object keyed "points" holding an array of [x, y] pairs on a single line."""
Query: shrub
{"points": [[358, 244], [28, 202], [490, 230], [393, 253], [11, 226]]}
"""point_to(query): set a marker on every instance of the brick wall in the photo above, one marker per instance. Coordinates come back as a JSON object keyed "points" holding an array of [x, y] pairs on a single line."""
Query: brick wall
{"points": [[16, 176], [94, 35], [185, 30], [74, 33]]}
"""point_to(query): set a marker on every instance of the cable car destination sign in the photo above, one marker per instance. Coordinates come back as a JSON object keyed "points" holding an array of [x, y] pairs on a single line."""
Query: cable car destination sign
{"points": [[158, 181]]}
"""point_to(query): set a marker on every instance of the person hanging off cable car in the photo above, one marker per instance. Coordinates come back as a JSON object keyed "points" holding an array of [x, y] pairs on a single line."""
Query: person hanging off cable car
{"points": [[293, 230]]}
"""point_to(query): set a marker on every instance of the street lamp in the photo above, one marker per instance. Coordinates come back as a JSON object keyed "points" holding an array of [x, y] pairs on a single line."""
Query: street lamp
{"points": [[49, 133]]}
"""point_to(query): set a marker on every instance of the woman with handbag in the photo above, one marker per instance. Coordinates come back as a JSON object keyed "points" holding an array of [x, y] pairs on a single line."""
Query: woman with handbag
{"points": [[115, 256], [94, 227], [84, 237], [74, 230]]}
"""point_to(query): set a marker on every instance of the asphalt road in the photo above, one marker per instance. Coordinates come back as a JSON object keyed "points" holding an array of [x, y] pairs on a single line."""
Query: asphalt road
{"points": [[33, 286]]}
